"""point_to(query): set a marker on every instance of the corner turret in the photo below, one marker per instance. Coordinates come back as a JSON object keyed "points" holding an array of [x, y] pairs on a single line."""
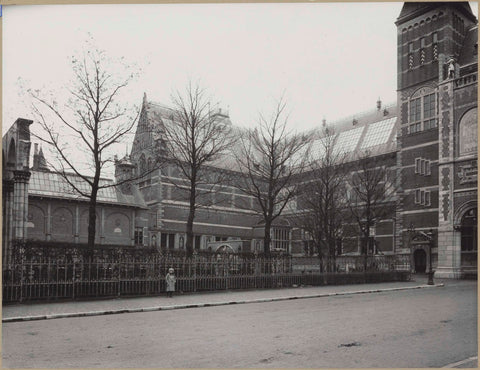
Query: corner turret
{"points": [[124, 171]]}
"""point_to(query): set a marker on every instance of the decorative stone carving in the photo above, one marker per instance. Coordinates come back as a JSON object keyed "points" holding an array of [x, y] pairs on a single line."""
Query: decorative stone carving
{"points": [[445, 178], [468, 173], [446, 196], [445, 122]]}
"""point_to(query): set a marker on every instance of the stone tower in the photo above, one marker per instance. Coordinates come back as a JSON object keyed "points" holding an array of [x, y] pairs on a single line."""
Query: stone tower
{"points": [[436, 56], [124, 171]]}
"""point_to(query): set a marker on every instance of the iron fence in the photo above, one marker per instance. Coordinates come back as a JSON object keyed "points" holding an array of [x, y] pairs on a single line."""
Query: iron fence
{"points": [[352, 264], [75, 273]]}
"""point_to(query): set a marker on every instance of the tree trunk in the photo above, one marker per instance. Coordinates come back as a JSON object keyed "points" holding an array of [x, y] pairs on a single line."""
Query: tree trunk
{"points": [[92, 212], [191, 216], [92, 219], [365, 249], [266, 238]]}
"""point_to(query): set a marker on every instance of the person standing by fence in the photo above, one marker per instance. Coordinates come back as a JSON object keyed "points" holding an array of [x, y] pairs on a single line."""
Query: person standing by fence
{"points": [[171, 280]]}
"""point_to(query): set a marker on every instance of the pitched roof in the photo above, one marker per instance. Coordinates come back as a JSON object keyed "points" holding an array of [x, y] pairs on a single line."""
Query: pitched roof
{"points": [[373, 131], [159, 114], [411, 10], [53, 185]]}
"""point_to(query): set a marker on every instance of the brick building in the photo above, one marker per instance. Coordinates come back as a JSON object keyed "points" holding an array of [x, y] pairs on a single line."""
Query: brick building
{"points": [[39, 205], [428, 138], [437, 137], [229, 222]]}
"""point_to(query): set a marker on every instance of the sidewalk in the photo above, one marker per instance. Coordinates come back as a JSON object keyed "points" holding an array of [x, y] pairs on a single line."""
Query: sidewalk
{"points": [[53, 310]]}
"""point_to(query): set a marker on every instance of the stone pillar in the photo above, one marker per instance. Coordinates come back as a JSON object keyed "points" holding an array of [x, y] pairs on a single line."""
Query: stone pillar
{"points": [[7, 214], [20, 204], [49, 221], [77, 224], [399, 246], [448, 265], [133, 227]]}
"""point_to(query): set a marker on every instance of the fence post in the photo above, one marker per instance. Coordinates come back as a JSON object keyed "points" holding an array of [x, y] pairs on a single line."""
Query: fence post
{"points": [[225, 269], [119, 281], [255, 261], [73, 277], [22, 274], [194, 270]]}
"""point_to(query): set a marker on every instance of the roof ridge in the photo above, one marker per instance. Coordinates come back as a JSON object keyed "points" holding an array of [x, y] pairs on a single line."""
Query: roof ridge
{"points": [[73, 174], [160, 104], [362, 114]]}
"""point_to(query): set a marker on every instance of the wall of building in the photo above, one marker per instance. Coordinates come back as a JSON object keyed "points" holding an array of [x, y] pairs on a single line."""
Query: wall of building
{"points": [[456, 96], [60, 220]]}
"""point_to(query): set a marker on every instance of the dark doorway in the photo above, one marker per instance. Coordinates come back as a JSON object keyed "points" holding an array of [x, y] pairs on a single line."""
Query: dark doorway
{"points": [[420, 258], [469, 239]]}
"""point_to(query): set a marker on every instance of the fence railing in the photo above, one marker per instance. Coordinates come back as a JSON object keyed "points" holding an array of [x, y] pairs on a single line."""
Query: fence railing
{"points": [[71, 273], [351, 264]]}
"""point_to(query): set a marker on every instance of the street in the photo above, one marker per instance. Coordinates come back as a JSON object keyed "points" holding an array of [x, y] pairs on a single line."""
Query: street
{"points": [[411, 328]]}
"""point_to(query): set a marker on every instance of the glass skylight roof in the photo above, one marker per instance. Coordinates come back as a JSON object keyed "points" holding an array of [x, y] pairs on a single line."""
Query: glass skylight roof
{"points": [[53, 184], [317, 151], [378, 133], [347, 141]]}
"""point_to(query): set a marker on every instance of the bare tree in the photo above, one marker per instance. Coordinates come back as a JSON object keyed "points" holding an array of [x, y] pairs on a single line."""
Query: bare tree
{"points": [[371, 196], [194, 141], [322, 200], [86, 125], [269, 157]]}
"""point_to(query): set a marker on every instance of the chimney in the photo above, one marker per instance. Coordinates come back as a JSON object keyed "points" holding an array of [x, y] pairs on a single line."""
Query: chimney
{"points": [[379, 104], [324, 122]]}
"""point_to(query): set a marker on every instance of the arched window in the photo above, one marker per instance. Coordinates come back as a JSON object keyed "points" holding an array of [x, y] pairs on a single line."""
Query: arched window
{"points": [[422, 110], [468, 230], [62, 224], [467, 133]]}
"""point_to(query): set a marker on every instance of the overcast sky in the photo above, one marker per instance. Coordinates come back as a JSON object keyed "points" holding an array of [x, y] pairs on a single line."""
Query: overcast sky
{"points": [[329, 59]]}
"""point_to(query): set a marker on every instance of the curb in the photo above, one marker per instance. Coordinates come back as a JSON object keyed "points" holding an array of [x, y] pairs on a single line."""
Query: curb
{"points": [[197, 305]]}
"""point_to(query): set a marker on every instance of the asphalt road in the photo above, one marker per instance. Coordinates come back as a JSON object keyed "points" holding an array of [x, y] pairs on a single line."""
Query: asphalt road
{"points": [[414, 328]]}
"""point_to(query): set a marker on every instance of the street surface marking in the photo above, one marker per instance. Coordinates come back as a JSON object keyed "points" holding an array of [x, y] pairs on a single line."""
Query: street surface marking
{"points": [[461, 362]]}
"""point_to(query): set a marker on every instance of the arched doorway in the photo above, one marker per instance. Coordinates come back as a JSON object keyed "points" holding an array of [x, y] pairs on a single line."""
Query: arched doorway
{"points": [[468, 229], [420, 260], [224, 248]]}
